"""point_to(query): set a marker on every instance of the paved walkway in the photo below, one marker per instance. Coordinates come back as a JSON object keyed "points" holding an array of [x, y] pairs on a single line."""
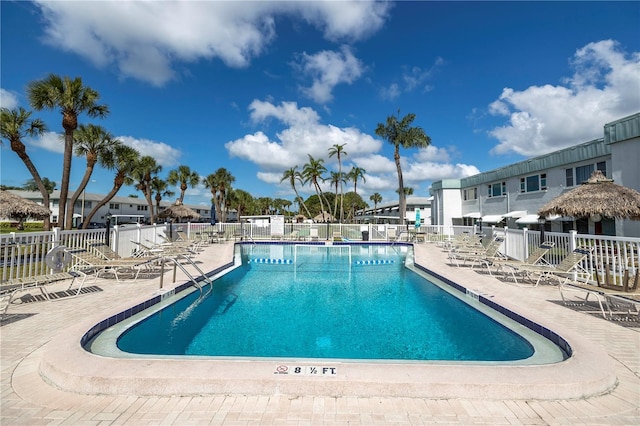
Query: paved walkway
{"points": [[27, 399]]}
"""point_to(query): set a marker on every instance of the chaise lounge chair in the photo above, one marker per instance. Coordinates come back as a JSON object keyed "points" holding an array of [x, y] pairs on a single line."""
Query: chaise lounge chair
{"points": [[509, 266], [481, 255], [10, 288], [84, 261], [565, 271]]}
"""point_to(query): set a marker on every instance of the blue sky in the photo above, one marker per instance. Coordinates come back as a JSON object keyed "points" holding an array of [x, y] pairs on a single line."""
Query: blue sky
{"points": [[256, 86]]}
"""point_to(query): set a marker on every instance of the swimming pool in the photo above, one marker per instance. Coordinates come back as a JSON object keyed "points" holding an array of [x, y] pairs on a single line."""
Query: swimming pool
{"points": [[66, 362], [347, 302]]}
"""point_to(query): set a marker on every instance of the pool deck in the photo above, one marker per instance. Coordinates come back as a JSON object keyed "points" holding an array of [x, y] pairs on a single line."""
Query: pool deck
{"points": [[38, 328]]}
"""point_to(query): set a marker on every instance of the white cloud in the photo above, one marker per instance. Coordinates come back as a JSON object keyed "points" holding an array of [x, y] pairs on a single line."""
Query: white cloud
{"points": [[604, 87], [328, 69], [374, 163], [413, 78], [164, 154], [303, 134], [50, 141], [8, 99], [151, 37]]}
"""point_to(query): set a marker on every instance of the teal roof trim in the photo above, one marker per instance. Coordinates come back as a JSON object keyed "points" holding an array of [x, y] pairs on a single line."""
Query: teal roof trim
{"points": [[446, 184], [585, 151], [623, 129]]}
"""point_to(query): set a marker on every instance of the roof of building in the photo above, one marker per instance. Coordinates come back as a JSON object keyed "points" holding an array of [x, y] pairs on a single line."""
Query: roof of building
{"points": [[623, 129]]}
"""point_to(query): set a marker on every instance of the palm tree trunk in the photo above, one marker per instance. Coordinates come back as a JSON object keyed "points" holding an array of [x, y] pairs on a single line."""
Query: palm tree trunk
{"points": [[402, 204], [117, 184], [72, 201], [66, 173], [19, 148]]}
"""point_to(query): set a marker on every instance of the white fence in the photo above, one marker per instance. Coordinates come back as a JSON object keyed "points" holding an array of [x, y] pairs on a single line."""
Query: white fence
{"points": [[613, 260]]}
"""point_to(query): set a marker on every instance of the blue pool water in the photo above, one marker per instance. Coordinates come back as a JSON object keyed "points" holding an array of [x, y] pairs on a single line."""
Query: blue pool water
{"points": [[354, 302]]}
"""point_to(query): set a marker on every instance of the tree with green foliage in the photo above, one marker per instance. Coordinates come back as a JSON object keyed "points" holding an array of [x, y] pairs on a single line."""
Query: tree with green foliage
{"points": [[184, 176], [355, 174], [241, 201], [337, 178], [338, 151], [32, 185], [312, 173], [376, 198], [292, 175], [15, 124], [219, 183], [122, 159], [143, 173], [72, 98], [402, 134], [93, 142], [161, 188]]}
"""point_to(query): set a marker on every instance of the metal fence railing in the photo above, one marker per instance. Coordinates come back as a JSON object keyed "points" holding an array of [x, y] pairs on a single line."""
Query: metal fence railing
{"points": [[613, 260]]}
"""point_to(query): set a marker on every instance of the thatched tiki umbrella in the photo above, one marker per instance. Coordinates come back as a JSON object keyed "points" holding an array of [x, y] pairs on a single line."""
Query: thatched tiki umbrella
{"points": [[596, 198], [178, 211], [13, 206]]}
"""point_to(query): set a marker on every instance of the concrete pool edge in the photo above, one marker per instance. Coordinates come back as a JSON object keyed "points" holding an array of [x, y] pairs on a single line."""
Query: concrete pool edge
{"points": [[66, 365]]}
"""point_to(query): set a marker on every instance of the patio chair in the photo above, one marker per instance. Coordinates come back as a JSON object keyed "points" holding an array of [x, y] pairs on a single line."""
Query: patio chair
{"points": [[84, 261], [508, 266], [10, 288], [564, 271], [490, 253], [313, 234], [294, 235]]}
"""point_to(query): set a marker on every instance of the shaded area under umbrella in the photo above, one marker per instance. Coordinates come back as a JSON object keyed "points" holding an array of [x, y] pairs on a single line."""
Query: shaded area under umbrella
{"points": [[596, 197], [16, 207], [177, 211]]}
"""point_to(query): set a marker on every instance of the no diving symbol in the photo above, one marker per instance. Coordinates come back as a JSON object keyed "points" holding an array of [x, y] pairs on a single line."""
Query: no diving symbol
{"points": [[282, 369]]}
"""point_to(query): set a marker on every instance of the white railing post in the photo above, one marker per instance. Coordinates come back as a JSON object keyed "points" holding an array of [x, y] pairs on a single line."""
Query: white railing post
{"points": [[573, 238], [56, 237], [525, 241]]}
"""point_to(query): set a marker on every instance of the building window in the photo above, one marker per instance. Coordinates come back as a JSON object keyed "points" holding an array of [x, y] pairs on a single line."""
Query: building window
{"points": [[114, 206], [143, 208], [533, 183], [497, 189], [569, 177], [583, 173], [602, 166], [470, 194]]}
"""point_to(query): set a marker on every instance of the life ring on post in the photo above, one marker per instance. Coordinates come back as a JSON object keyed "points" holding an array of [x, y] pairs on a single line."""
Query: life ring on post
{"points": [[57, 258]]}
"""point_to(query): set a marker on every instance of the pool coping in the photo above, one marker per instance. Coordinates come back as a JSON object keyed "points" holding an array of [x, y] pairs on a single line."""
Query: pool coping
{"points": [[65, 364]]}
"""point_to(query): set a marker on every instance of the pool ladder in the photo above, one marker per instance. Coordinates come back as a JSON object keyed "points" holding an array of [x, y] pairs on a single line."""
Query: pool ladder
{"points": [[176, 264]]}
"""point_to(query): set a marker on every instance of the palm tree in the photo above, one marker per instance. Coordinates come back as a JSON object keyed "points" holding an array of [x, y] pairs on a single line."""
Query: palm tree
{"points": [[240, 200], [73, 99], [161, 189], [400, 133], [186, 177], [143, 174], [93, 142], [32, 185], [14, 125], [219, 183], [337, 178], [376, 198], [293, 176], [312, 172], [123, 160], [354, 174], [339, 151]]}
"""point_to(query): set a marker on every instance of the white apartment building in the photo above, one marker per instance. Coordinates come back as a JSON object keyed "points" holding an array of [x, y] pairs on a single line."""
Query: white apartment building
{"points": [[512, 195], [390, 212], [123, 209]]}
